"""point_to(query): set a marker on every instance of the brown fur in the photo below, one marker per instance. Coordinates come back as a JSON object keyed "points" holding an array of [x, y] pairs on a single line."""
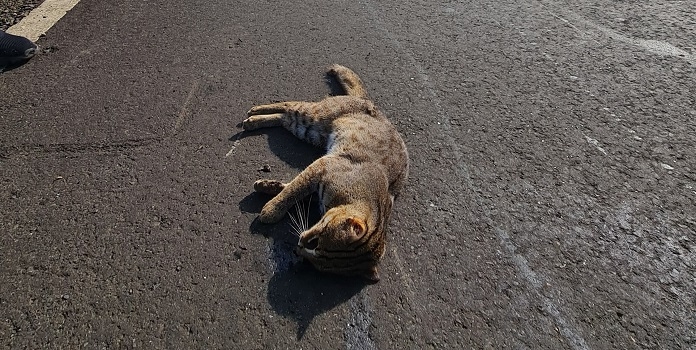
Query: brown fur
{"points": [[364, 169]]}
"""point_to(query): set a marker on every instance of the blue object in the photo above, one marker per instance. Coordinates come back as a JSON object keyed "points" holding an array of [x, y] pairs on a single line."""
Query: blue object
{"points": [[15, 49]]}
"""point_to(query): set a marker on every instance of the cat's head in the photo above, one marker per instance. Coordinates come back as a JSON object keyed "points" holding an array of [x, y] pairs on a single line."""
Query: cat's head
{"points": [[343, 243]]}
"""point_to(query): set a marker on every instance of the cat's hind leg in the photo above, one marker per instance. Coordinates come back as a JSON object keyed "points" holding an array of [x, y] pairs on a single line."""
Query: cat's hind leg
{"points": [[271, 108], [263, 121], [269, 115]]}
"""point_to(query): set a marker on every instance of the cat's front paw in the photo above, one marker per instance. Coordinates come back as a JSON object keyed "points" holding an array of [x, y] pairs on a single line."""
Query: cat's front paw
{"points": [[262, 109], [255, 110], [272, 187], [270, 214]]}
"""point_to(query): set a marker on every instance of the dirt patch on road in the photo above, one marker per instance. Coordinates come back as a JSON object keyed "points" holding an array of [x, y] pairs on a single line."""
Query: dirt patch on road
{"points": [[12, 11]]}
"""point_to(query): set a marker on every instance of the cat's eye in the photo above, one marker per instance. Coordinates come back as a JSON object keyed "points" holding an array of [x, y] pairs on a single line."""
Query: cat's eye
{"points": [[312, 243]]}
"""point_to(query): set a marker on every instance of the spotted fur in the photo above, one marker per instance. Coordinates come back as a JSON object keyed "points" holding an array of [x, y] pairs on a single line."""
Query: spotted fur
{"points": [[364, 169]]}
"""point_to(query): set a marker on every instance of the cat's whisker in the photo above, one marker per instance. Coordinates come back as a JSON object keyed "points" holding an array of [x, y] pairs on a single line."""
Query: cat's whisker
{"points": [[306, 221], [295, 230], [296, 222], [293, 226], [300, 214]]}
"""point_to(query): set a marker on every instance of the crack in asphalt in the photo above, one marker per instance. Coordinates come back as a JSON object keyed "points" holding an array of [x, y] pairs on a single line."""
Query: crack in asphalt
{"points": [[7, 152], [185, 111]]}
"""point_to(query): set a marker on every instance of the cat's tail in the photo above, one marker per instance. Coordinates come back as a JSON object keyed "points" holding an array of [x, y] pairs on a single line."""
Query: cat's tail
{"points": [[349, 80]]}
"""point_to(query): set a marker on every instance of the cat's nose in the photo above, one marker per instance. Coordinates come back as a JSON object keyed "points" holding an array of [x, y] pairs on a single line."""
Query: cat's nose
{"points": [[311, 244]]}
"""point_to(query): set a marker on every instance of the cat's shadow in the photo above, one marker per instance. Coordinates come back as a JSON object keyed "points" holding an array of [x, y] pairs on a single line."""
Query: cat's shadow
{"points": [[296, 290], [302, 293], [285, 146]]}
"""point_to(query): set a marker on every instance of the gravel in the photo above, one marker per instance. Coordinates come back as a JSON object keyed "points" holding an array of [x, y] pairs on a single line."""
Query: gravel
{"points": [[12, 11]]}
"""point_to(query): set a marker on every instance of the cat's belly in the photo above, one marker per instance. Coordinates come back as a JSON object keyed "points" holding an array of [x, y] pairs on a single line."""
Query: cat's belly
{"points": [[330, 142], [309, 134]]}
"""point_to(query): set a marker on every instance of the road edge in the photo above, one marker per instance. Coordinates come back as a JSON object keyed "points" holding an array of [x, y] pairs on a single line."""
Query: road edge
{"points": [[42, 18]]}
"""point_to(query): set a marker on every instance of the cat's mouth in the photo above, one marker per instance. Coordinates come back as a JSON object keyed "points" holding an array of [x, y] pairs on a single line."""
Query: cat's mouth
{"points": [[307, 251], [304, 252]]}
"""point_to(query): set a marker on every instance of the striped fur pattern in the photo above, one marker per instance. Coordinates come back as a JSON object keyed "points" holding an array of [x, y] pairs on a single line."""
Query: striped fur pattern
{"points": [[364, 169]]}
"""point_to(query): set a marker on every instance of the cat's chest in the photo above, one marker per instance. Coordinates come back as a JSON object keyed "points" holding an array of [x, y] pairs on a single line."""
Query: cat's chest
{"points": [[331, 195]]}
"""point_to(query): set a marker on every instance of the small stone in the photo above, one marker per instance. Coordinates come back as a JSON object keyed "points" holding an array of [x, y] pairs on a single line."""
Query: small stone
{"points": [[666, 166], [266, 168]]}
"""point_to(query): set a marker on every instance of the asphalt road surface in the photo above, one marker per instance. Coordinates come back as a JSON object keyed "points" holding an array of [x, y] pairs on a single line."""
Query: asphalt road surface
{"points": [[551, 204], [12, 11]]}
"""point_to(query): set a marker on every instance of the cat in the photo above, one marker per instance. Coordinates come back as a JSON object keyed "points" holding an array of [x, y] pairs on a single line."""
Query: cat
{"points": [[364, 169]]}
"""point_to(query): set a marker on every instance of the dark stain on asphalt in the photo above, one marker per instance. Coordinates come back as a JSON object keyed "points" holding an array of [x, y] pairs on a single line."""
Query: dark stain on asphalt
{"points": [[297, 290]]}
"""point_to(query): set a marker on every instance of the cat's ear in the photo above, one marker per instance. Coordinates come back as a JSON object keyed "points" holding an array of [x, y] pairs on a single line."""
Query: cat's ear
{"points": [[356, 226], [372, 274]]}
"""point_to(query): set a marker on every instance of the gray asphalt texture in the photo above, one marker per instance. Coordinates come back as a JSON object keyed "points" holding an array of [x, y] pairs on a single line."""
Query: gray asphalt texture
{"points": [[12, 11], [551, 203]]}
